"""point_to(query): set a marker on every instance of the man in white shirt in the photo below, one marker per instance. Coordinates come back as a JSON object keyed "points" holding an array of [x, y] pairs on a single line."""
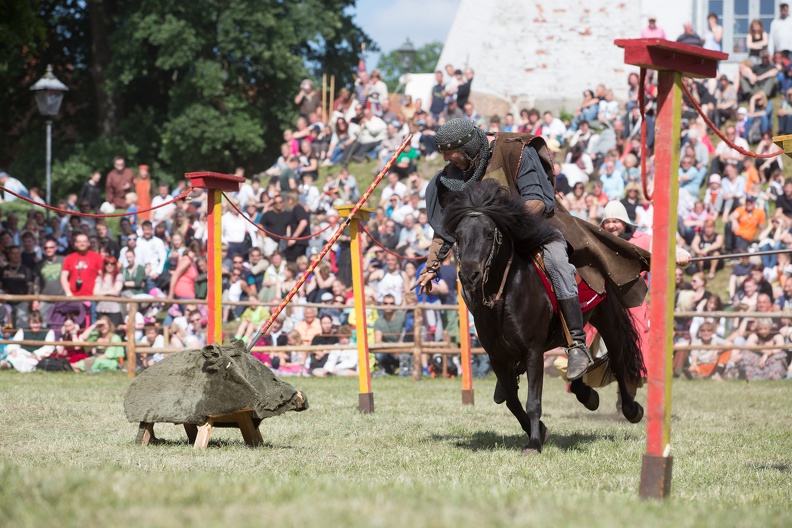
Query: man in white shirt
{"points": [[552, 127], [394, 186], [151, 250], [781, 32], [372, 131], [234, 230], [725, 155], [163, 214]]}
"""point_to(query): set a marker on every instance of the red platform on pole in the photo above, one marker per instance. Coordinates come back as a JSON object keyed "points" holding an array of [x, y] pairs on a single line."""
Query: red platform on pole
{"points": [[671, 60]]}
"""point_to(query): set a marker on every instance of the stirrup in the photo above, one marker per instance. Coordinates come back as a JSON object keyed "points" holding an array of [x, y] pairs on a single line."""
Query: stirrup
{"points": [[578, 360]]}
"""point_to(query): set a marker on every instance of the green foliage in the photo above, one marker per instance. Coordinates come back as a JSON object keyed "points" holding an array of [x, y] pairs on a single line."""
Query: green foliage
{"points": [[180, 86], [425, 61]]}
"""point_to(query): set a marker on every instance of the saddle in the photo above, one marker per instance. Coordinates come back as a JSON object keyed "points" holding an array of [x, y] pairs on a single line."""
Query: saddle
{"points": [[586, 295]]}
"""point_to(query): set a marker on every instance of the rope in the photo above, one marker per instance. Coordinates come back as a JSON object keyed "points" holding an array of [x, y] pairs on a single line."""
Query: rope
{"points": [[273, 235], [644, 149], [721, 135], [94, 215], [388, 251]]}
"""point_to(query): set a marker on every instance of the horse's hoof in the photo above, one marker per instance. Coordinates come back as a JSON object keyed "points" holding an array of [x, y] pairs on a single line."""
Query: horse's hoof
{"points": [[592, 404], [543, 432], [530, 451], [637, 414]]}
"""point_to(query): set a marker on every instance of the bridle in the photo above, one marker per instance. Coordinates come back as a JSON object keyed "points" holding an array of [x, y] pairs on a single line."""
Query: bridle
{"points": [[497, 241]]}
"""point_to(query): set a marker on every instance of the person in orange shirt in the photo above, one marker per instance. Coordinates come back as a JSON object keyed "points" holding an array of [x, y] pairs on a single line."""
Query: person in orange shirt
{"points": [[143, 190], [745, 221]]}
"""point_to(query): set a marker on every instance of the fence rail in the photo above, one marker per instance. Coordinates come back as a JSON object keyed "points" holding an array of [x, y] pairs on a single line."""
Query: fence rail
{"points": [[417, 348]]}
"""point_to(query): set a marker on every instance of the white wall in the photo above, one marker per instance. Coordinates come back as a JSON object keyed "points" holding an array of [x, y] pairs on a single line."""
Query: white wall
{"points": [[545, 53]]}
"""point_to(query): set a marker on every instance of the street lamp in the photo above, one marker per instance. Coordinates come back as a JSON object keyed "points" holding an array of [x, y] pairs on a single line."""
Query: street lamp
{"points": [[49, 95], [407, 56]]}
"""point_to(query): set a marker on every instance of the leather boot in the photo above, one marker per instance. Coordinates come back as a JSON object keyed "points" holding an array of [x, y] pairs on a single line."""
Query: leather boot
{"points": [[579, 357]]}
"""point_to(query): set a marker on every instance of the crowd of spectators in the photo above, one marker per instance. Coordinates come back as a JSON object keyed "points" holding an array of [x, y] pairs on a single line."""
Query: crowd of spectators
{"points": [[287, 215]]}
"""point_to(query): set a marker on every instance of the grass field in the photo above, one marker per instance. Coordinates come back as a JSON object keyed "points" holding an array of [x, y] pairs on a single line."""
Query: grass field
{"points": [[67, 458]]}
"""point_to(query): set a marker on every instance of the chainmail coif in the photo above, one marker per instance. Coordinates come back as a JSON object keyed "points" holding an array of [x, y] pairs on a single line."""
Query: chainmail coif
{"points": [[472, 141]]}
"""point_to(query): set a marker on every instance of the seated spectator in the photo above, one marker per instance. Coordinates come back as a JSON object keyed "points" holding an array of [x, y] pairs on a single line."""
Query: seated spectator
{"points": [[744, 223], [577, 166], [340, 362], [576, 202], [552, 127], [725, 155], [760, 117], [310, 326], [689, 36], [612, 181], [761, 77], [152, 338], [109, 283], [708, 243], [290, 363], [768, 166], [98, 341], [24, 358], [763, 364], [70, 332], [747, 294], [389, 329], [709, 305], [326, 337], [707, 363], [731, 194], [725, 101], [250, 321]]}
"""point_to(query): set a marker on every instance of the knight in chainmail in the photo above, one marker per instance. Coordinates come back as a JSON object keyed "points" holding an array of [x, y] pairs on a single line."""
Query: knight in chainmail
{"points": [[470, 154]]}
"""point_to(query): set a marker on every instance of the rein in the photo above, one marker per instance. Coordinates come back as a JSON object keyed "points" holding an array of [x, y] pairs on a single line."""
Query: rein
{"points": [[491, 301]]}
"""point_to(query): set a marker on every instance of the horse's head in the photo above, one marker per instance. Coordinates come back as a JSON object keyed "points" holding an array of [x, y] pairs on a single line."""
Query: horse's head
{"points": [[478, 239]]}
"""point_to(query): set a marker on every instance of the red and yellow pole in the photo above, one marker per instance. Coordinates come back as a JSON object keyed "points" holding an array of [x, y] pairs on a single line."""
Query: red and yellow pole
{"points": [[214, 266], [464, 343], [657, 462], [366, 395]]}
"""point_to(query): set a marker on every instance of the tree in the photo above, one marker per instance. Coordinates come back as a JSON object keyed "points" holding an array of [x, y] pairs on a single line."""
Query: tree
{"points": [[180, 86], [425, 61]]}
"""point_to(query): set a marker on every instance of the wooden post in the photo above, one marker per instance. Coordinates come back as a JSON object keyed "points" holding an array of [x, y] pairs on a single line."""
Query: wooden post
{"points": [[215, 184], [464, 343], [131, 358], [671, 60], [324, 97], [417, 340], [366, 396], [332, 99]]}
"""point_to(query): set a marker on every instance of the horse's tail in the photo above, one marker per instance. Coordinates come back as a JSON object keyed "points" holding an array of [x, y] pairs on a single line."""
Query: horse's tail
{"points": [[629, 352]]}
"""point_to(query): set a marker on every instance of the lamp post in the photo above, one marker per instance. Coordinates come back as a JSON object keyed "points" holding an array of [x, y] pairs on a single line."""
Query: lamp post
{"points": [[49, 95], [406, 56]]}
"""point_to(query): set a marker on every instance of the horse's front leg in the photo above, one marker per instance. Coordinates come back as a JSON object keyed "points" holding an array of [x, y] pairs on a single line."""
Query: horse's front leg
{"points": [[507, 378], [533, 407]]}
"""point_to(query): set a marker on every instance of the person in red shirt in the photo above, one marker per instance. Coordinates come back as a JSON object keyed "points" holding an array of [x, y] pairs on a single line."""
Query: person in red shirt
{"points": [[81, 268]]}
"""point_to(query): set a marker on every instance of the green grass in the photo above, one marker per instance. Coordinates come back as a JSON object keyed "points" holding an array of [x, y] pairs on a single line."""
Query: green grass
{"points": [[67, 458]]}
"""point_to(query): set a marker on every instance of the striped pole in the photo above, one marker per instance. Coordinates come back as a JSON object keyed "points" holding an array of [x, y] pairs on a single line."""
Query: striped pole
{"points": [[265, 327]]}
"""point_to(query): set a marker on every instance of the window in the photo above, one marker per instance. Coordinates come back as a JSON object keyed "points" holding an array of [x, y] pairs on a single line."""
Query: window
{"points": [[736, 16]]}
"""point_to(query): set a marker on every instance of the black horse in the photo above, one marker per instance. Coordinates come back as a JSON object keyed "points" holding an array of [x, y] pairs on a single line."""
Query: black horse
{"points": [[496, 240]]}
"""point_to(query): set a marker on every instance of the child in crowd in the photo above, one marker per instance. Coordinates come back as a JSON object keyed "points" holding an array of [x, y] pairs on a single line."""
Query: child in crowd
{"points": [[131, 200], [153, 339]]}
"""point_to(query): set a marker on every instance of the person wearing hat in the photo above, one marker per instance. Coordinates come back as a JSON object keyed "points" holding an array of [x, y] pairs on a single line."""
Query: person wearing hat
{"points": [[652, 30], [473, 156]]}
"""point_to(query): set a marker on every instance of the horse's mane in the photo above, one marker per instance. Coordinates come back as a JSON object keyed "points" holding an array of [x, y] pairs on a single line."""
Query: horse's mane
{"points": [[526, 230]]}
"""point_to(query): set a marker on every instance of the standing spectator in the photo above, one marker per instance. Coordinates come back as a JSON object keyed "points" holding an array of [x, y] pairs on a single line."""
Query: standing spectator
{"points": [[151, 253], [438, 98], [46, 278], [653, 30], [133, 275], [91, 193], [109, 283], [781, 31], [744, 223], [307, 99], [17, 279], [298, 227], [119, 182], [235, 231], [31, 253], [713, 36], [463, 91], [143, 190], [689, 36], [182, 283], [165, 213], [756, 41]]}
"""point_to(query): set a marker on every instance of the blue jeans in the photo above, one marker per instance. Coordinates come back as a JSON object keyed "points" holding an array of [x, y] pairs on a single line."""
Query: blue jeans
{"points": [[770, 261]]}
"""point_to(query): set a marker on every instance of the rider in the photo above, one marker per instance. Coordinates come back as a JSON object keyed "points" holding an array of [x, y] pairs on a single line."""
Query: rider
{"points": [[472, 155]]}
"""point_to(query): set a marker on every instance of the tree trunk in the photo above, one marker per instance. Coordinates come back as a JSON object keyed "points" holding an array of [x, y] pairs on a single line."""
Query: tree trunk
{"points": [[99, 11]]}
